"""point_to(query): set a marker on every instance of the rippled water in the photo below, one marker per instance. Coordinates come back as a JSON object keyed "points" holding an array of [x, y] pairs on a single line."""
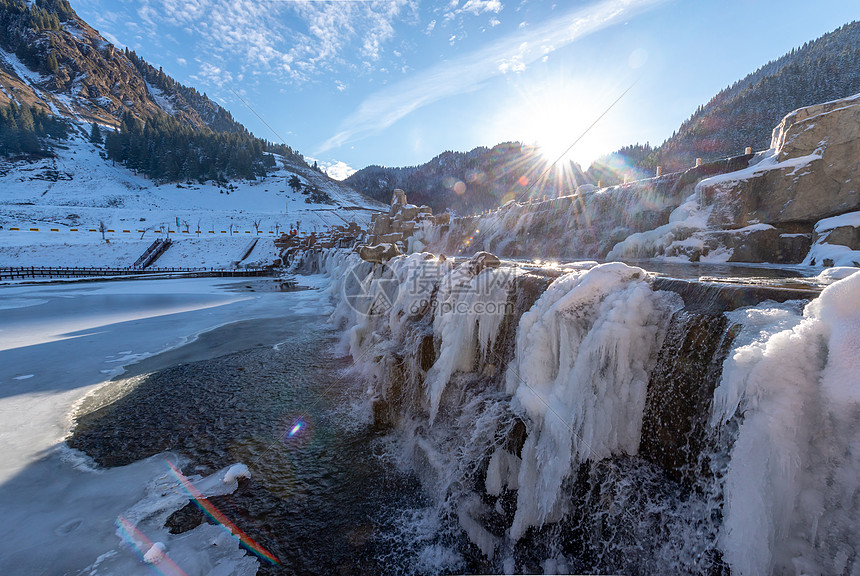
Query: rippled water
{"points": [[323, 500]]}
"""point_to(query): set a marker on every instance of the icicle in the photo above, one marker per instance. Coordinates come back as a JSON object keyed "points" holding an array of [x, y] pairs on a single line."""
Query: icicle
{"points": [[584, 352]]}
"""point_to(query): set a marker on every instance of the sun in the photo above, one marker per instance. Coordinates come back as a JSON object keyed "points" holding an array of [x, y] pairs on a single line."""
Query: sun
{"points": [[550, 118], [554, 115]]}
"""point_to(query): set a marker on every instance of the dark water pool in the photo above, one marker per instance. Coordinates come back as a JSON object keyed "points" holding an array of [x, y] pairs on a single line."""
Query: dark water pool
{"points": [[321, 500]]}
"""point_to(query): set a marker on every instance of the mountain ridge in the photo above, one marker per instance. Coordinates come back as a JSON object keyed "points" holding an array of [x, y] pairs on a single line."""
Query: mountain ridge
{"points": [[742, 114]]}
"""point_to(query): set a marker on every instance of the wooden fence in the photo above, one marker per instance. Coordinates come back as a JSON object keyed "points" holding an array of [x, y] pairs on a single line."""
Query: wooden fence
{"points": [[25, 272]]}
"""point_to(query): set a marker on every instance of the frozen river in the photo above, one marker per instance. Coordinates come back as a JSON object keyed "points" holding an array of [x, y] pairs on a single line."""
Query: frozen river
{"points": [[58, 343]]}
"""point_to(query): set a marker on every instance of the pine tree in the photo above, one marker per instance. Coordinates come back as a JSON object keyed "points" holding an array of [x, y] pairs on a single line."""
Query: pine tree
{"points": [[95, 134], [51, 65]]}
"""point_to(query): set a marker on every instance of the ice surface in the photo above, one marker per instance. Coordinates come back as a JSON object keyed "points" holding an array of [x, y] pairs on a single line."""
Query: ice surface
{"points": [[469, 312], [785, 416], [59, 511]]}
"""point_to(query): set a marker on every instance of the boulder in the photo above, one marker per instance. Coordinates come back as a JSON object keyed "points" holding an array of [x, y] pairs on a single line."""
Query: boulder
{"points": [[482, 261], [381, 224], [761, 244], [409, 212], [813, 172], [391, 238], [843, 235], [793, 247], [398, 197], [379, 253]]}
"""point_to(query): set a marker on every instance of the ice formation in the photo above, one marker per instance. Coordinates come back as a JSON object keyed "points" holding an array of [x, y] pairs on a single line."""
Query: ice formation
{"points": [[792, 484], [584, 353], [777, 481]]}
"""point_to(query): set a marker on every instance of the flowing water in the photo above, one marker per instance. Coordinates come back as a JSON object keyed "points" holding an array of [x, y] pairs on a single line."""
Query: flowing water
{"points": [[599, 421]]}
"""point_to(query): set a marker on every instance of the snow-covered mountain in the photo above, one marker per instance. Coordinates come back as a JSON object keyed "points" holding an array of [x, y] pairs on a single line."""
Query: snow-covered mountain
{"points": [[51, 211], [52, 59], [212, 181]]}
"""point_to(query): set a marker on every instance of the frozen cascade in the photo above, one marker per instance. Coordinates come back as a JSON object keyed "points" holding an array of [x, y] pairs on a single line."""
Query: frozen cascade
{"points": [[584, 354], [602, 424], [469, 313], [792, 489]]}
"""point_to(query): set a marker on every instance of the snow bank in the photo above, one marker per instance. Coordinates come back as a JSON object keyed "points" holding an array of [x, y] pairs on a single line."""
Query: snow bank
{"points": [[834, 254], [68, 196], [848, 219], [235, 472], [831, 275]]}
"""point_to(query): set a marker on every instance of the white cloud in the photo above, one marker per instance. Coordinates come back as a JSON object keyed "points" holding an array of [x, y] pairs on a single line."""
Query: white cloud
{"points": [[182, 61], [495, 22], [478, 7], [112, 39], [474, 7], [338, 170], [382, 109], [292, 40], [214, 75]]}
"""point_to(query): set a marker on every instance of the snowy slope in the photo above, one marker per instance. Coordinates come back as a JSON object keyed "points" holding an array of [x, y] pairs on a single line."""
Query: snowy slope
{"points": [[51, 210]]}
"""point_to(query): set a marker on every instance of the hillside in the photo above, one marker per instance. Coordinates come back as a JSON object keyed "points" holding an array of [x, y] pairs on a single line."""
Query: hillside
{"points": [[54, 66], [467, 182], [94, 138], [744, 113], [51, 211], [53, 60]]}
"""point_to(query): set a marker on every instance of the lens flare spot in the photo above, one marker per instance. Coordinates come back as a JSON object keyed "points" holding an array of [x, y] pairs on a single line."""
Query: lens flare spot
{"points": [[524, 181], [460, 187], [295, 429], [215, 514]]}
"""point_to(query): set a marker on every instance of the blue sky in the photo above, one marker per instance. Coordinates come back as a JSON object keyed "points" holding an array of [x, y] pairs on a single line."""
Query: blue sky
{"points": [[351, 83]]}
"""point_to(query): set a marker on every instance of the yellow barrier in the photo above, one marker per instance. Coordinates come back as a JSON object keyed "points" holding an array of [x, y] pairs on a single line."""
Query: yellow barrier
{"points": [[13, 228]]}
